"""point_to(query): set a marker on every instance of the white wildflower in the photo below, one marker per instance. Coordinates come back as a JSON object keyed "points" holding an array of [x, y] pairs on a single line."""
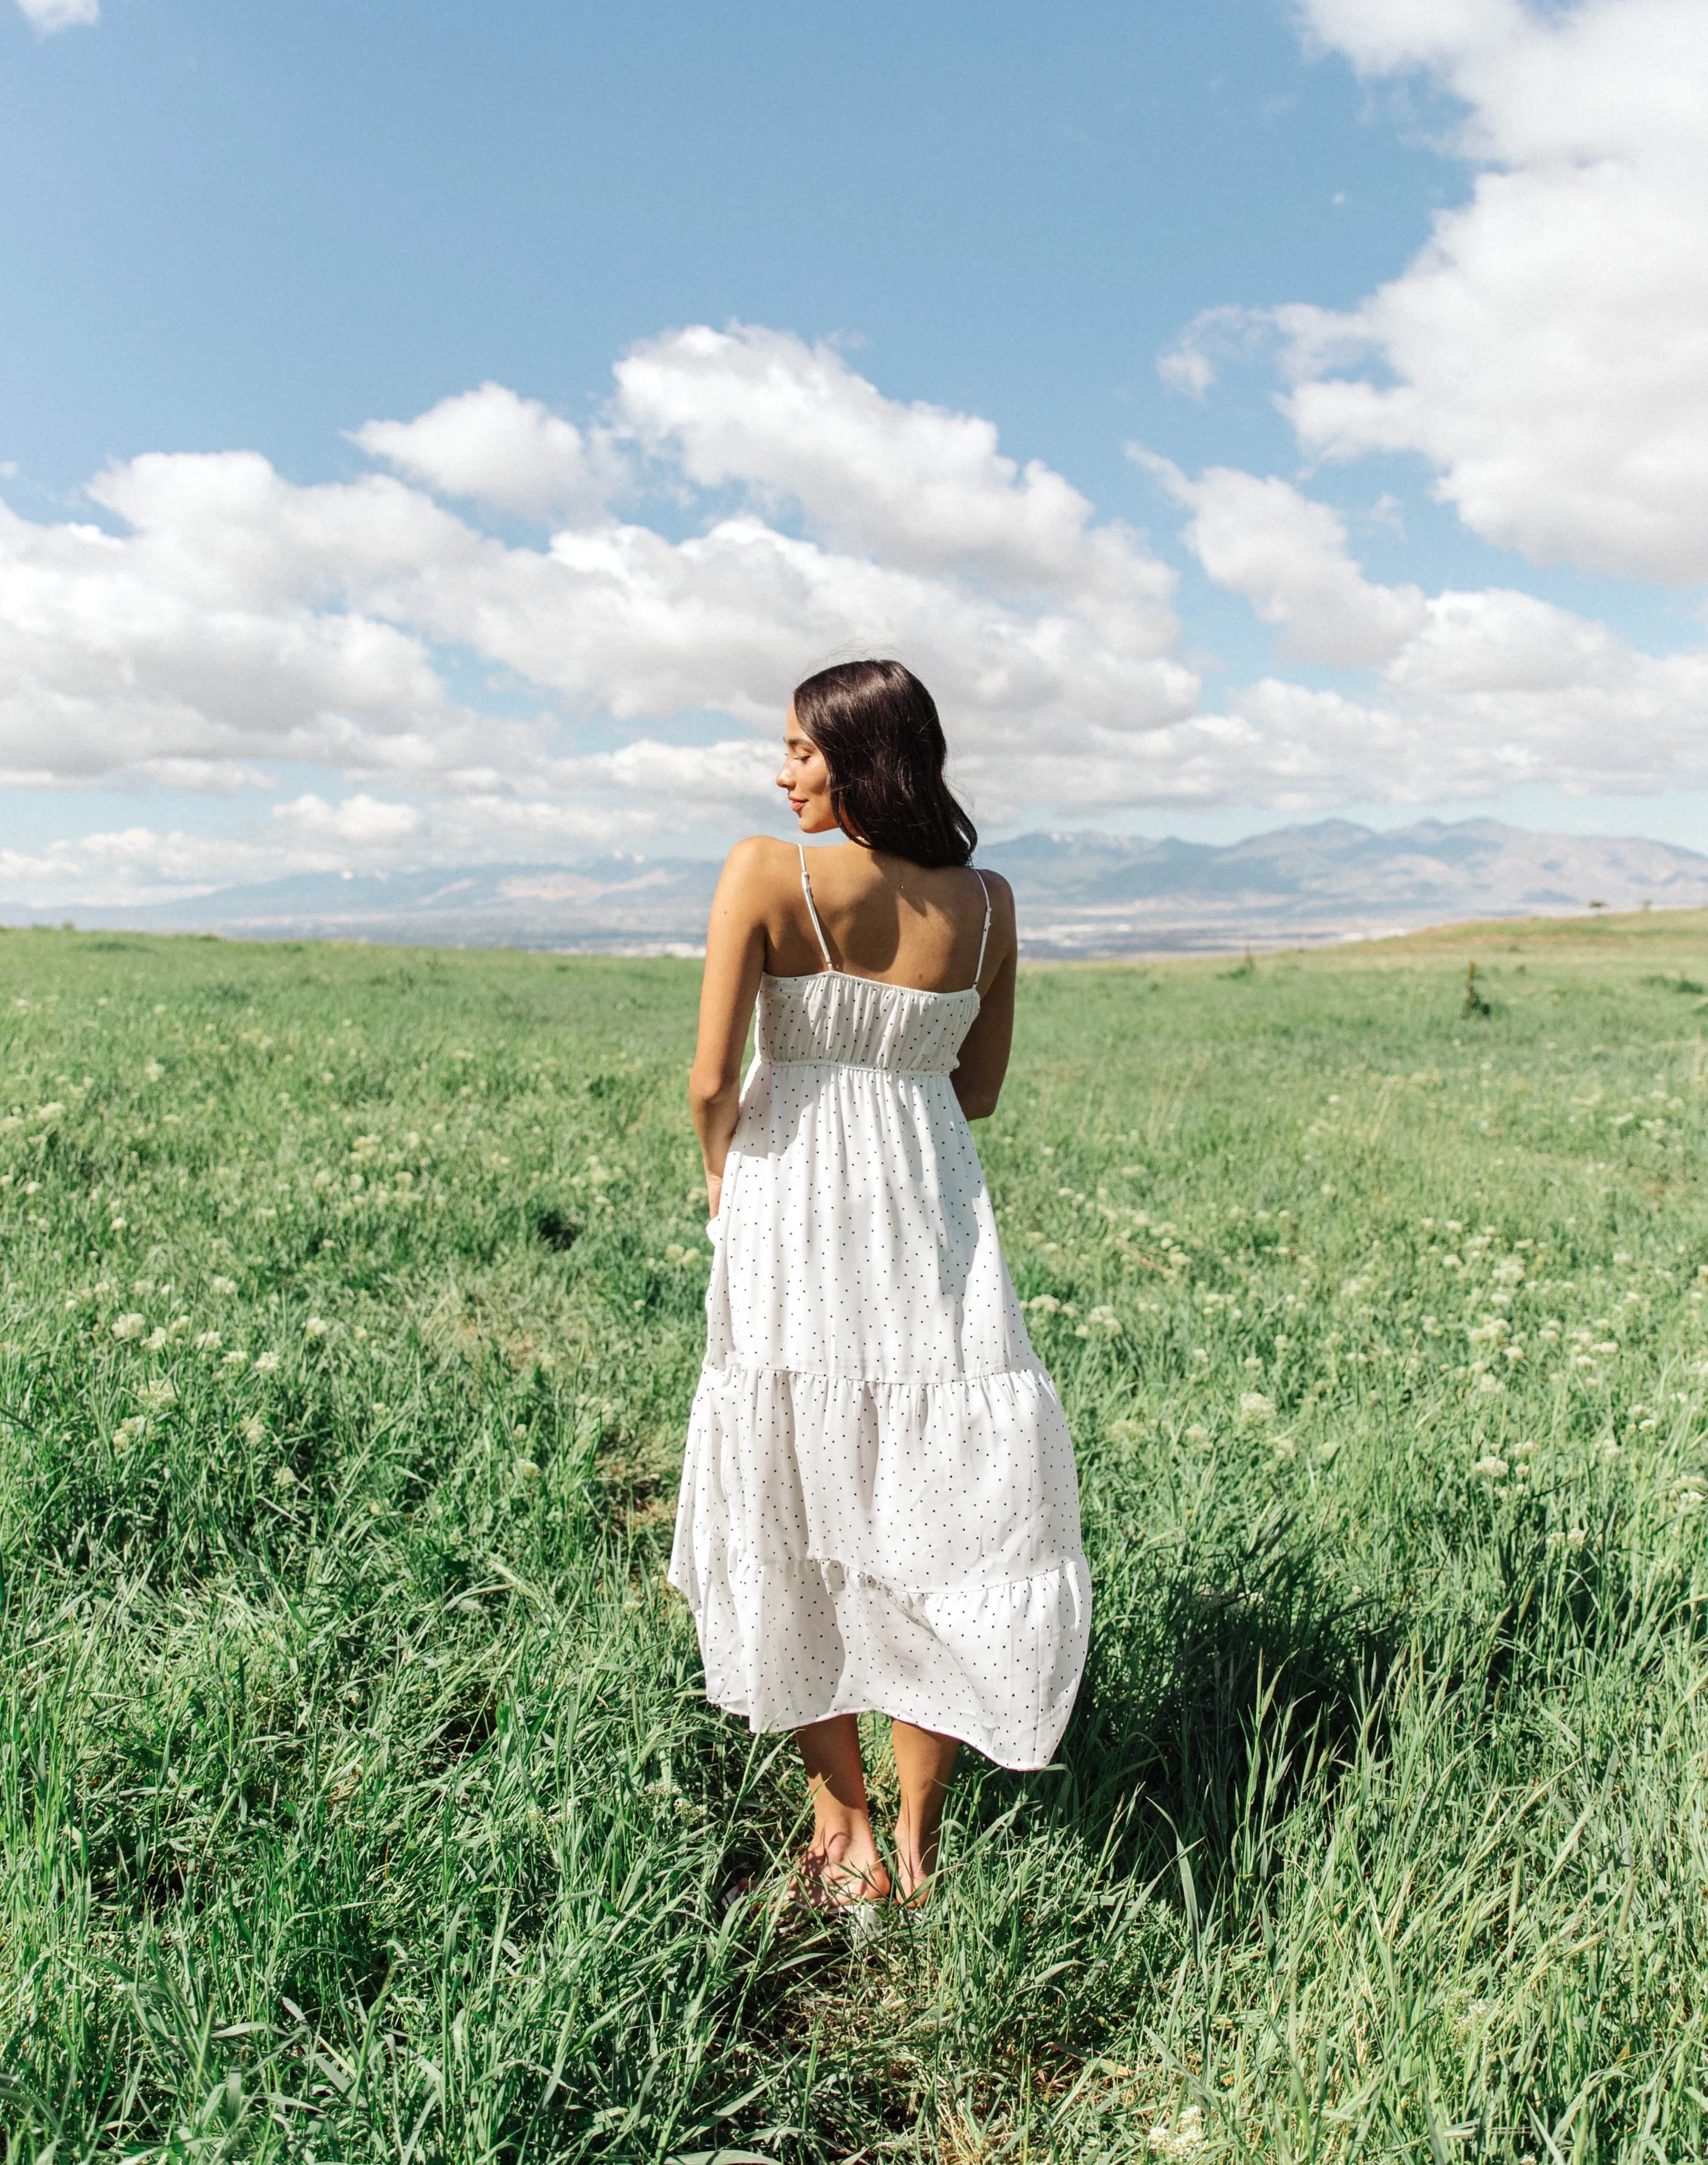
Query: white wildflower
{"points": [[235, 1361], [130, 1326], [1490, 1467], [283, 1477], [206, 1342], [264, 1363], [222, 1286], [317, 1326], [1183, 2139], [161, 1392], [129, 1432], [155, 1340], [1255, 1407], [255, 1430]]}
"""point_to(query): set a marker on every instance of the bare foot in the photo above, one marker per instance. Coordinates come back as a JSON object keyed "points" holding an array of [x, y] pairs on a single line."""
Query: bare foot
{"points": [[837, 1875], [913, 1875]]}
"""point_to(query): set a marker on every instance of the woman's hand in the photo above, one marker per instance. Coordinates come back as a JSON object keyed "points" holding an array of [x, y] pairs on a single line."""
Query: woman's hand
{"points": [[715, 1192]]}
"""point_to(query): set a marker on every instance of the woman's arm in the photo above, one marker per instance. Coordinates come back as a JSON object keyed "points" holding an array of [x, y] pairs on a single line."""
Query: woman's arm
{"points": [[984, 1050], [735, 962]]}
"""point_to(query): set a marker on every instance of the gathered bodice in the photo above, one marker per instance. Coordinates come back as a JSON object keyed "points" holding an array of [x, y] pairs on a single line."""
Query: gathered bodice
{"points": [[858, 1022]]}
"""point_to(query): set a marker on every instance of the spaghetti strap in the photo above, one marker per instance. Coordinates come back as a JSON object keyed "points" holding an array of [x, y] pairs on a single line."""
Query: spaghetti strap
{"points": [[984, 936], [807, 890]]}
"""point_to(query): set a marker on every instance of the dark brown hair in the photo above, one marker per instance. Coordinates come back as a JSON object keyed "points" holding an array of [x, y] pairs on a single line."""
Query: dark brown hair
{"points": [[878, 727]]}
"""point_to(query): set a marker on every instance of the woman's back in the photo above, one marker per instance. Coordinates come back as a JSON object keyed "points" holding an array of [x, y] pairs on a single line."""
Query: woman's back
{"points": [[882, 918]]}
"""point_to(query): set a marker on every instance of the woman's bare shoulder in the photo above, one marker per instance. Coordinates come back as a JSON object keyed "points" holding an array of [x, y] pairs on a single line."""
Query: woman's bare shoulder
{"points": [[1002, 902], [758, 866], [759, 853]]}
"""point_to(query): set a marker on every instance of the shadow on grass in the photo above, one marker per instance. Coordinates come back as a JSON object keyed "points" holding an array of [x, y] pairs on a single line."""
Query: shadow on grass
{"points": [[1212, 1704]]}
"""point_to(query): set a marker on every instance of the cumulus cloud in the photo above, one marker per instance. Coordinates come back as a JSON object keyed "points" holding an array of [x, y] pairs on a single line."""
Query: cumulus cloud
{"points": [[1288, 556], [643, 796], [223, 613], [1546, 351], [212, 624], [45, 17], [1474, 692], [913, 484], [512, 453]]}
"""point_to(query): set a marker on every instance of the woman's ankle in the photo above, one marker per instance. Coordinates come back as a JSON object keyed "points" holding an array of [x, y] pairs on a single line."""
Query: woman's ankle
{"points": [[916, 1856], [845, 1845]]}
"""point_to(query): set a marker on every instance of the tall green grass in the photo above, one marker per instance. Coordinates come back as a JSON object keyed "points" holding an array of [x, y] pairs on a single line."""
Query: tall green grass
{"points": [[356, 1797]]}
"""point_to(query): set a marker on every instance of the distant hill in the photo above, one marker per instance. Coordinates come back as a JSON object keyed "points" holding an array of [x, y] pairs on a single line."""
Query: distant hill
{"points": [[1076, 893]]}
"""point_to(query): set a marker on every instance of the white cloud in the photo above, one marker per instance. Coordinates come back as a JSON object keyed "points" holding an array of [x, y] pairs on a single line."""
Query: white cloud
{"points": [[214, 622], [1474, 692], [45, 17], [1288, 555], [1546, 351], [663, 798], [913, 484], [235, 615], [510, 452], [366, 822]]}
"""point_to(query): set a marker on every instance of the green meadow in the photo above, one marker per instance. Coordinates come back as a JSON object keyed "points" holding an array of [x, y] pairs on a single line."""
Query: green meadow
{"points": [[357, 1800]]}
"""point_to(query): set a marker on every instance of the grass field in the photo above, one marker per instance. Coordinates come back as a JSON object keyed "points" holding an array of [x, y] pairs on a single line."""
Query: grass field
{"points": [[356, 1797]]}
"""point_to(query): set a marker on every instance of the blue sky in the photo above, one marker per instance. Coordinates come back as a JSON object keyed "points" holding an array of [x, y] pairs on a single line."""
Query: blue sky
{"points": [[230, 239]]}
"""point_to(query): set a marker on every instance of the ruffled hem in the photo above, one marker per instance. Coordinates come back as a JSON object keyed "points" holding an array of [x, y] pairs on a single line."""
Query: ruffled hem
{"points": [[849, 1545], [995, 1663]]}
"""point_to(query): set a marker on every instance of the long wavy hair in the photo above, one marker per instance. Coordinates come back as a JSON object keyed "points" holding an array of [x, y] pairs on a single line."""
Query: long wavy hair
{"points": [[878, 727]]}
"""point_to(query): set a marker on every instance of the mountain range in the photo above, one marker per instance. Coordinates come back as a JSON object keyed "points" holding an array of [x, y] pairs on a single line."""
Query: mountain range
{"points": [[1076, 893]]}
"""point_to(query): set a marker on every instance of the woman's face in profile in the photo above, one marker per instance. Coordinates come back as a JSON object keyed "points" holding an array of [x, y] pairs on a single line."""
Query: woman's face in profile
{"points": [[806, 779]]}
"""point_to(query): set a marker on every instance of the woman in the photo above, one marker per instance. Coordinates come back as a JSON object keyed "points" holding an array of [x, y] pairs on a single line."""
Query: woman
{"points": [[879, 1509]]}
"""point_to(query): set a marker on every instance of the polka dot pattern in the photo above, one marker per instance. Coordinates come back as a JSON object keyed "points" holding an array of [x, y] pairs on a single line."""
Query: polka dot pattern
{"points": [[879, 1507]]}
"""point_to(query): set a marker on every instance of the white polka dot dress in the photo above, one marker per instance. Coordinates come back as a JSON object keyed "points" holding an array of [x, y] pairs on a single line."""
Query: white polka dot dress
{"points": [[879, 1509]]}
